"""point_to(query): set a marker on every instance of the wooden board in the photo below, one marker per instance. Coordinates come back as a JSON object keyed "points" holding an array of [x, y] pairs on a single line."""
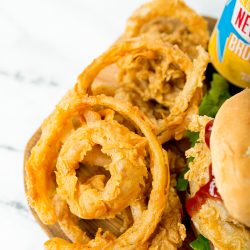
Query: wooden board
{"points": [[92, 225]]}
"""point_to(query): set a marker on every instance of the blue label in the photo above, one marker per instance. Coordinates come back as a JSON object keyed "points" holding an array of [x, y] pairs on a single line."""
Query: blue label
{"points": [[225, 28]]}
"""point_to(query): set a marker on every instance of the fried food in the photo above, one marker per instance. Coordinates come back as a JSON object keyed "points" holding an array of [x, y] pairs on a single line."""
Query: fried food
{"points": [[172, 21], [102, 241], [212, 219], [157, 77], [99, 130], [68, 222], [170, 232], [100, 161], [125, 152]]}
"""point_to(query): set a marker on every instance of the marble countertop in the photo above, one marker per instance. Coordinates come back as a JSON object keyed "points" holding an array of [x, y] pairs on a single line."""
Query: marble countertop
{"points": [[44, 45]]}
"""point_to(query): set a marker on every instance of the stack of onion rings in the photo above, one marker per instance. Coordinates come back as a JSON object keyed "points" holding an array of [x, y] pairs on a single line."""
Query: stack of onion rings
{"points": [[100, 159], [155, 76], [50, 155]]}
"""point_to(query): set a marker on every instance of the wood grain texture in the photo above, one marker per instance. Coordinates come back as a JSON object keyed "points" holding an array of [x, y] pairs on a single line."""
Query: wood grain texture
{"points": [[90, 226]]}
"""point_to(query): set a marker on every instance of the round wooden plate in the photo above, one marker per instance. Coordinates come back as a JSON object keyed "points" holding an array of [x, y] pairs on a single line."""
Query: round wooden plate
{"points": [[92, 225]]}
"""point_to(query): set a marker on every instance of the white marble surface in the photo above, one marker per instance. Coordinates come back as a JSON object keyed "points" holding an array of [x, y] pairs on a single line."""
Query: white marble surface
{"points": [[44, 45]]}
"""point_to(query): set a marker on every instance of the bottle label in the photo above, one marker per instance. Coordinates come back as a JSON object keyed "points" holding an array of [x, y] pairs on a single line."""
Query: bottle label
{"points": [[229, 45]]}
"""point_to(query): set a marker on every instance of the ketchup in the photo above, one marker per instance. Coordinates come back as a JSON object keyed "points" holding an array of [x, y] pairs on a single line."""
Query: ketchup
{"points": [[209, 190], [208, 131]]}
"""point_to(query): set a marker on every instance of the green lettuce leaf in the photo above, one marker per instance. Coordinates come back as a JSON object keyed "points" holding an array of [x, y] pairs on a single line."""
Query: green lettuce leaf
{"points": [[215, 97], [190, 159], [182, 183], [193, 137], [201, 243]]}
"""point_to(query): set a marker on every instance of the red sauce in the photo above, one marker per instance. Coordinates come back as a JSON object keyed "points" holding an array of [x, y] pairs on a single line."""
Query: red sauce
{"points": [[207, 191], [208, 131]]}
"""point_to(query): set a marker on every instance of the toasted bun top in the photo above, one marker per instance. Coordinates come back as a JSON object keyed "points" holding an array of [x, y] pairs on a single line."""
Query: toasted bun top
{"points": [[230, 151]]}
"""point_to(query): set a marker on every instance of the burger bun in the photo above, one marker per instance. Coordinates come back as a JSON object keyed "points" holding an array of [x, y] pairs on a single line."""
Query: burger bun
{"points": [[230, 151]]}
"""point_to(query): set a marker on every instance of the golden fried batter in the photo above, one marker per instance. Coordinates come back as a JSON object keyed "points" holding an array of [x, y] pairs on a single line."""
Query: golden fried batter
{"points": [[116, 129], [155, 76], [125, 149], [172, 21], [170, 233], [94, 199]]}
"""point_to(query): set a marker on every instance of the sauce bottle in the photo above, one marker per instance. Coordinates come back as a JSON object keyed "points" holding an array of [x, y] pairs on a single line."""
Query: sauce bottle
{"points": [[229, 46]]}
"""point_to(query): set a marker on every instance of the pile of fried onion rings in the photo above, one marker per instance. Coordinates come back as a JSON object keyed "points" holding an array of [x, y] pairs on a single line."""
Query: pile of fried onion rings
{"points": [[103, 170]]}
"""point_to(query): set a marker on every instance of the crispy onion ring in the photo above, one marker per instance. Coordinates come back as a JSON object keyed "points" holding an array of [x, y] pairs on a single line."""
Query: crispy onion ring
{"points": [[151, 70], [172, 21], [93, 199], [102, 241], [68, 222], [41, 184]]}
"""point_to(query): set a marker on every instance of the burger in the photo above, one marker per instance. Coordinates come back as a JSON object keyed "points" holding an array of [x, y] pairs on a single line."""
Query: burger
{"points": [[218, 175]]}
